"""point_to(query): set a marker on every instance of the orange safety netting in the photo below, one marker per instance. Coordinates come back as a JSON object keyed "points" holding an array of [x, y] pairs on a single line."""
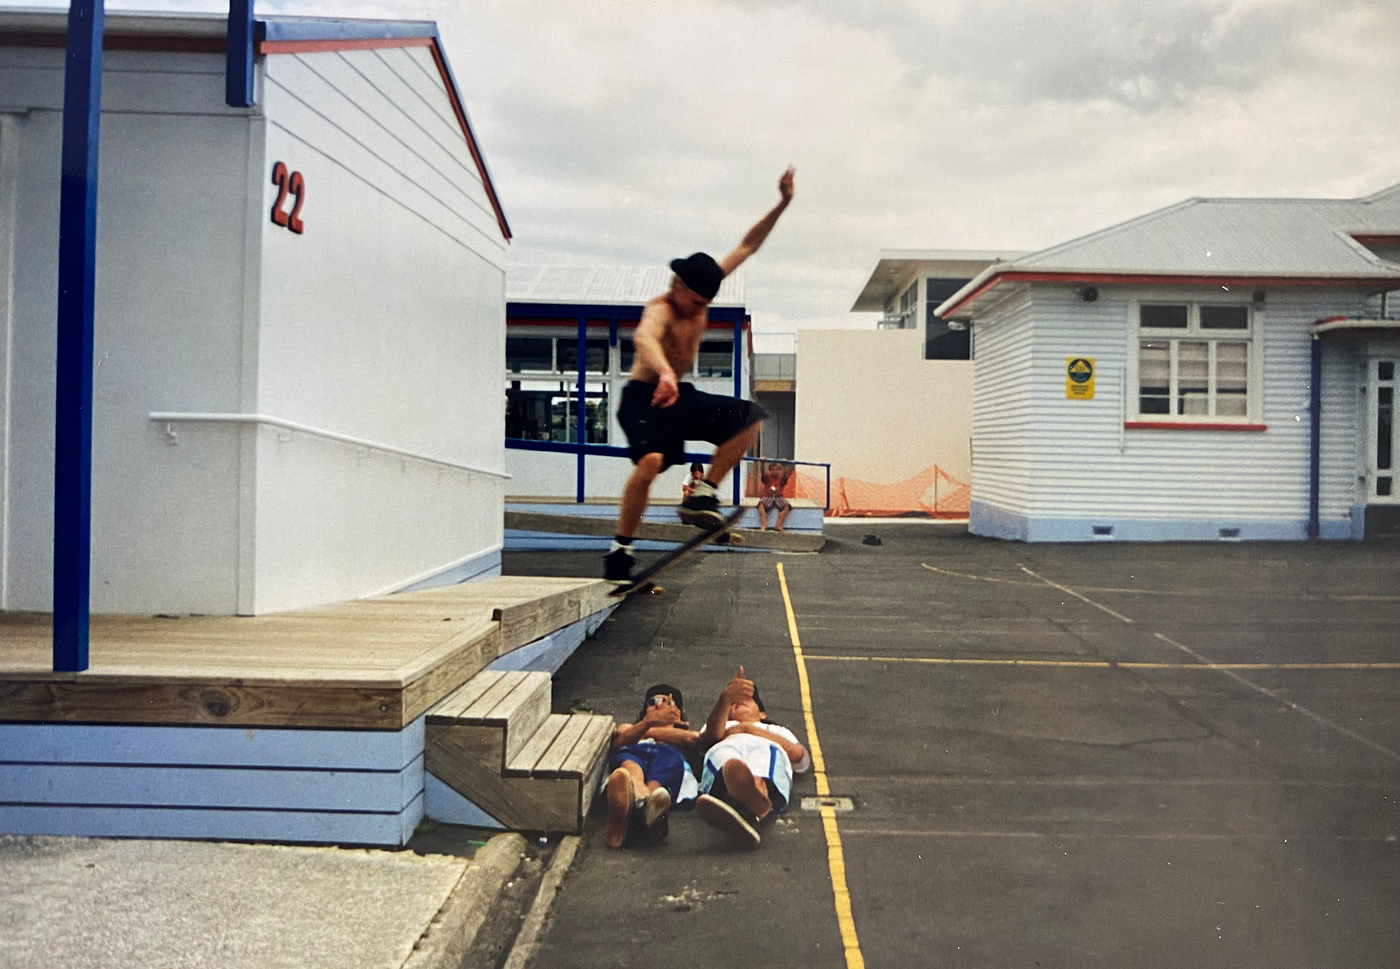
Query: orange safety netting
{"points": [[933, 492]]}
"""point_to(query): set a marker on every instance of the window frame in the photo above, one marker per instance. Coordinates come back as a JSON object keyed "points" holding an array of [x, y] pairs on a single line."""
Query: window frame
{"points": [[1252, 336]]}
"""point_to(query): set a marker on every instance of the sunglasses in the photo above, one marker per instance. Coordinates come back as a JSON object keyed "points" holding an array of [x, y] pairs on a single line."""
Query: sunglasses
{"points": [[656, 701]]}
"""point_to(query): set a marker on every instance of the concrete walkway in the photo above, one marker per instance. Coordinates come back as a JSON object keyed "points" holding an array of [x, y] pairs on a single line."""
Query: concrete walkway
{"points": [[91, 903], [1096, 755]]}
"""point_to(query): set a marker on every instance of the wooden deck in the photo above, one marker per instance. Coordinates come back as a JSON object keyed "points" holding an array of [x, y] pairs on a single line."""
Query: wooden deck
{"points": [[369, 664]]}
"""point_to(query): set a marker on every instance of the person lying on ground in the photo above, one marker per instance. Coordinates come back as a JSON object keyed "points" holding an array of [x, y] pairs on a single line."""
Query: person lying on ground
{"points": [[648, 769], [749, 764]]}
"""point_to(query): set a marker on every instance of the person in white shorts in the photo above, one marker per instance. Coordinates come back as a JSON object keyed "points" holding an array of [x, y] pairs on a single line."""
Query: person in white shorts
{"points": [[749, 764]]}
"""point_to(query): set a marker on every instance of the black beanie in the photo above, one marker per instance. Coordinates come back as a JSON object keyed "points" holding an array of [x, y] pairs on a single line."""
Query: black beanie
{"points": [[700, 272]]}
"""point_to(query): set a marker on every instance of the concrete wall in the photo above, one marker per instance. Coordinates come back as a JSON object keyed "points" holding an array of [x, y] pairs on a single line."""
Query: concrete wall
{"points": [[1047, 468], [384, 320], [169, 322], [868, 403]]}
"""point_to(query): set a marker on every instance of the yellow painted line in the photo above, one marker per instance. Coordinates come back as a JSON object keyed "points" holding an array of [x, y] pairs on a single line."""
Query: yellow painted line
{"points": [[1102, 664], [835, 857]]}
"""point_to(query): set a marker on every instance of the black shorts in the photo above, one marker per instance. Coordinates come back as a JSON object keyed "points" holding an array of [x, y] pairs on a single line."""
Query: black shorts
{"points": [[695, 416]]}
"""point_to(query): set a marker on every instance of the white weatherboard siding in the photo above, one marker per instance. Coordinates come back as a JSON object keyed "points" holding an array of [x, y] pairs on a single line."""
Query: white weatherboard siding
{"points": [[1086, 470], [1002, 412], [169, 314], [384, 321]]}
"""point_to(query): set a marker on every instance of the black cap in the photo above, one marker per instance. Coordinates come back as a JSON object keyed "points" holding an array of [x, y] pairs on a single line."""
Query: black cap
{"points": [[700, 272], [663, 689]]}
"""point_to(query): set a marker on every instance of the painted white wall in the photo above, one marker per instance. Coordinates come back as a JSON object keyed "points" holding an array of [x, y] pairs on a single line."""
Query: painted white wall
{"points": [[169, 312], [385, 320], [871, 405], [1040, 454]]}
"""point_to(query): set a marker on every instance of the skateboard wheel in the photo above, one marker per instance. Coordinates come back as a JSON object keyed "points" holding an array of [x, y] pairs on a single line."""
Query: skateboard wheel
{"points": [[656, 590], [735, 538]]}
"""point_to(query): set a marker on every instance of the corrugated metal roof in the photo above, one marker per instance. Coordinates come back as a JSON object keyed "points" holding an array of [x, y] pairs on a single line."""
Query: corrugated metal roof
{"points": [[1297, 238], [604, 285]]}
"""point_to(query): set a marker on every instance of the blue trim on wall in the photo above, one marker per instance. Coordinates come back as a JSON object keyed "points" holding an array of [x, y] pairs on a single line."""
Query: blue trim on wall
{"points": [[292, 29], [611, 312], [238, 80], [482, 566], [1314, 437], [77, 283], [993, 522]]}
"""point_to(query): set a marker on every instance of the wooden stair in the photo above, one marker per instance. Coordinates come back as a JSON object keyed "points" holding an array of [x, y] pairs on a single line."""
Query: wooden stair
{"points": [[495, 743]]}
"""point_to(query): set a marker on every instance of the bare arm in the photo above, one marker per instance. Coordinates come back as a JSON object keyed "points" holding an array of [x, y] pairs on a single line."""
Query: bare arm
{"points": [[656, 718], [795, 752], [755, 236], [737, 689], [647, 340]]}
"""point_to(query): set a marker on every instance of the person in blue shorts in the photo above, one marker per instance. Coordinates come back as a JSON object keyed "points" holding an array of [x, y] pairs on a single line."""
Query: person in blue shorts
{"points": [[648, 769]]}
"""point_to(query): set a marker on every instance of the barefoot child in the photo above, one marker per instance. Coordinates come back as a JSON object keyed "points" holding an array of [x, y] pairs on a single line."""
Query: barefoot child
{"points": [[649, 772], [749, 764]]}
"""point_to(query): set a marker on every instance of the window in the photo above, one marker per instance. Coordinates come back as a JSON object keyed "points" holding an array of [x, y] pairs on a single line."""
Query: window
{"points": [[716, 359], [530, 354], [534, 413], [1196, 362], [940, 341]]}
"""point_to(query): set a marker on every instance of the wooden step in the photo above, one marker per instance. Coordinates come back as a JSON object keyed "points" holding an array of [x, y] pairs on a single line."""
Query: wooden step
{"points": [[495, 742]]}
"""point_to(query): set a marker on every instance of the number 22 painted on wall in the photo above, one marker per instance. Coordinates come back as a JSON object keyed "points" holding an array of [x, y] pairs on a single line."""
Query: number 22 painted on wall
{"points": [[288, 184]]}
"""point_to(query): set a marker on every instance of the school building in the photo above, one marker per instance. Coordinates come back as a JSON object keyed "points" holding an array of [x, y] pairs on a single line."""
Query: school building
{"points": [[1220, 369], [891, 409], [550, 311], [299, 317]]}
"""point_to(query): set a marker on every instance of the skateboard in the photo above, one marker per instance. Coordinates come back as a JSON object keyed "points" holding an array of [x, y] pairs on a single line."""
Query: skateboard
{"points": [[703, 536]]}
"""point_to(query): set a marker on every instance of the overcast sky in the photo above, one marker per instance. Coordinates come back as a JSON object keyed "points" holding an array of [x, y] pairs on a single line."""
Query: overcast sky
{"points": [[632, 131]]}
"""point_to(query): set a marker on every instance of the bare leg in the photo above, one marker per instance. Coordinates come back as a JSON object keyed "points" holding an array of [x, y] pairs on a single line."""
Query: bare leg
{"points": [[728, 454], [782, 517], [621, 795], [636, 492], [750, 791], [763, 517]]}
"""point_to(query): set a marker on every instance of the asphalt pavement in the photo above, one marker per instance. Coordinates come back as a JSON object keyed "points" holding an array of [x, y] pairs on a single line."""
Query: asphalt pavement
{"points": [[1058, 755]]}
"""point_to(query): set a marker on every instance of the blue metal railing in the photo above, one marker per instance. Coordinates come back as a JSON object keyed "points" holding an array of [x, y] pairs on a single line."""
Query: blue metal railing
{"points": [[610, 451]]}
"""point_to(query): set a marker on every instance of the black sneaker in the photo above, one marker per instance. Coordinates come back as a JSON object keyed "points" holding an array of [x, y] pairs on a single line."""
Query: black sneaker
{"points": [[702, 511], [617, 565], [732, 819]]}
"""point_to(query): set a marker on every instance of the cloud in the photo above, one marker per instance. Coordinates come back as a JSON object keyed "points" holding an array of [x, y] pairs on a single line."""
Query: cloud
{"points": [[631, 131]]}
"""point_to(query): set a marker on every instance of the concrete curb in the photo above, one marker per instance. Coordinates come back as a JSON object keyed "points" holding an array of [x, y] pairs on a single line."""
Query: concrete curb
{"points": [[453, 930]]}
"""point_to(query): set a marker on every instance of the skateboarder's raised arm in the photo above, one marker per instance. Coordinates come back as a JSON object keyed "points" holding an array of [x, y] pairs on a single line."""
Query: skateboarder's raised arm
{"points": [[755, 236]]}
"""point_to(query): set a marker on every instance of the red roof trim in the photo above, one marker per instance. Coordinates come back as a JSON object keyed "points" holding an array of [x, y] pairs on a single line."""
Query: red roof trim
{"points": [[1190, 426], [165, 43], [434, 45], [1377, 238], [722, 325], [1028, 276]]}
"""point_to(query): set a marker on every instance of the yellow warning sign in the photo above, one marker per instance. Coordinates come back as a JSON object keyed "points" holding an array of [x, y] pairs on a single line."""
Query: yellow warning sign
{"points": [[1079, 378]]}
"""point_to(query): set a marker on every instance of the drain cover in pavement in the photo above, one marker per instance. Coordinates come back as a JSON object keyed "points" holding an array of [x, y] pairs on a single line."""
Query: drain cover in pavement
{"points": [[835, 803]]}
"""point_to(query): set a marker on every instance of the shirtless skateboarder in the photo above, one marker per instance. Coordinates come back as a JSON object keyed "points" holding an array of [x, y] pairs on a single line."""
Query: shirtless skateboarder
{"points": [[659, 414]]}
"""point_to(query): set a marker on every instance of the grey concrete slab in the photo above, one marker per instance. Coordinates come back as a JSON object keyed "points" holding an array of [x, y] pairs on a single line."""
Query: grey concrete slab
{"points": [[1052, 815], [105, 904]]}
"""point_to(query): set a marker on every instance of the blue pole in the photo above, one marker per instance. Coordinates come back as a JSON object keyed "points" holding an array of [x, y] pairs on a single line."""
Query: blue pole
{"points": [[238, 80], [77, 272], [738, 389], [581, 416], [1315, 440]]}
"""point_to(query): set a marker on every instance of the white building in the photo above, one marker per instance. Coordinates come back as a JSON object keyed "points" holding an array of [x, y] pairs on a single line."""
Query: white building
{"points": [[891, 410], [1154, 380], [545, 307], [309, 293]]}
